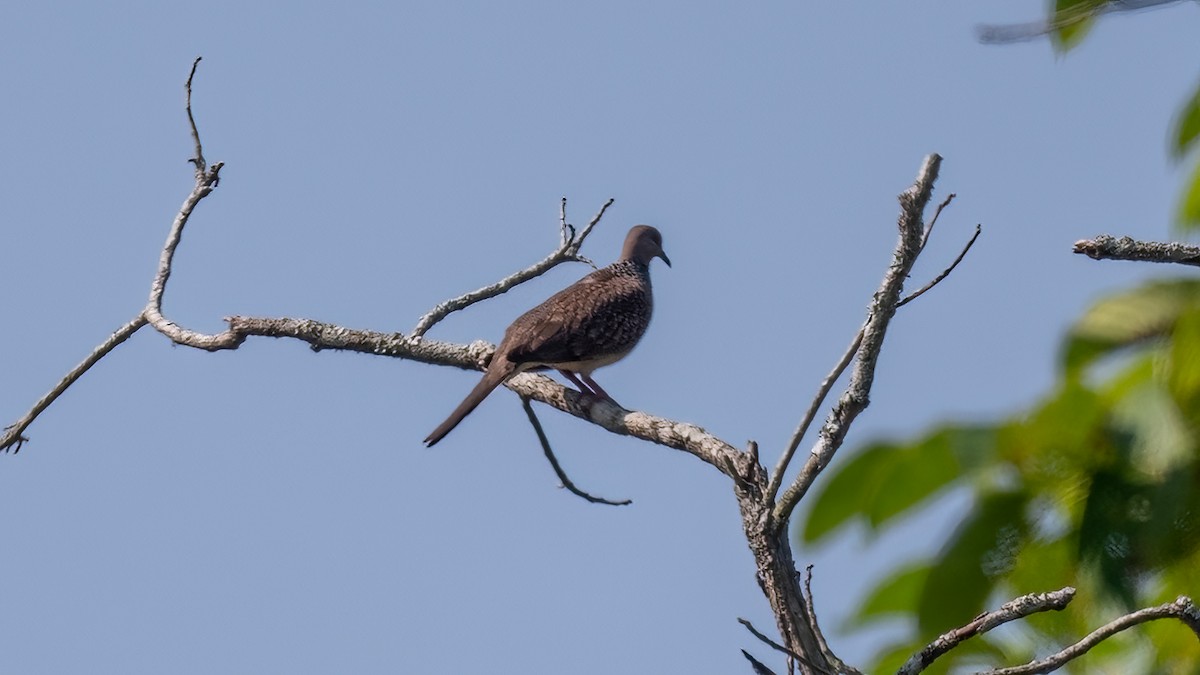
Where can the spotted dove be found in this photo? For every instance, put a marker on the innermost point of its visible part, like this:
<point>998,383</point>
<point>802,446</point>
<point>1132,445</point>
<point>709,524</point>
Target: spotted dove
<point>592,323</point>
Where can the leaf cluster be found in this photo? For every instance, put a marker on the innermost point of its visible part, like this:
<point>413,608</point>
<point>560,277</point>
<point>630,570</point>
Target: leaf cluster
<point>1097,487</point>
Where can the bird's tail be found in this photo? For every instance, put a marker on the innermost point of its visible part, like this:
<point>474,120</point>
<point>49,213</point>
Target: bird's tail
<point>492,379</point>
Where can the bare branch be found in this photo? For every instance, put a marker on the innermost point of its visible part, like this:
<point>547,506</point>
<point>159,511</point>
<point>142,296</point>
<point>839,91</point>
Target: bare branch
<point>811,610</point>
<point>937,213</point>
<point>1009,611</point>
<point>207,179</point>
<point>883,306</point>
<point>568,251</point>
<point>776,646</point>
<point>1182,608</point>
<point>11,438</point>
<point>1021,32</point>
<point>562,475</point>
<point>321,336</point>
<point>945,273</point>
<point>1105,247</point>
<point>813,407</point>
<point>198,160</point>
<point>757,666</point>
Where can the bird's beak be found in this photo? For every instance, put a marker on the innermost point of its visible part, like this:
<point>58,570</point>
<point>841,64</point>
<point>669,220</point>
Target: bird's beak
<point>664,257</point>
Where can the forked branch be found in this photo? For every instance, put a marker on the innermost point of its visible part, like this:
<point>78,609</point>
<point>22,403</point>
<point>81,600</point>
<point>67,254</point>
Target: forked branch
<point>1182,609</point>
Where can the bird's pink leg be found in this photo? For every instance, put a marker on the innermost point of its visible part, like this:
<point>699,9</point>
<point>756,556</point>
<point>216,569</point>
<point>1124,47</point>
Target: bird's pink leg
<point>583,388</point>
<point>599,390</point>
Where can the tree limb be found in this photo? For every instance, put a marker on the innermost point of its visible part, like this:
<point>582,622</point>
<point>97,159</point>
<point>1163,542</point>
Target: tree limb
<point>856,397</point>
<point>12,439</point>
<point>1105,247</point>
<point>1009,611</point>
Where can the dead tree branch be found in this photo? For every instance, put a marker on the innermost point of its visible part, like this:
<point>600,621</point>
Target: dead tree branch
<point>1105,247</point>
<point>856,397</point>
<point>1009,611</point>
<point>764,520</point>
<point>945,273</point>
<point>558,470</point>
<point>568,251</point>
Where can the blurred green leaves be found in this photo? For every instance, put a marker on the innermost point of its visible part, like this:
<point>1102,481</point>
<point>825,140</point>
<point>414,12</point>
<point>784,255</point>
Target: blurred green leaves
<point>1097,486</point>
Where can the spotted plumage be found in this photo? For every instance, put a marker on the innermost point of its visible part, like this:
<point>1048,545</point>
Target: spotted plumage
<point>590,324</point>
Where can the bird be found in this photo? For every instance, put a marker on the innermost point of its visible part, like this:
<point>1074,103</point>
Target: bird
<point>592,323</point>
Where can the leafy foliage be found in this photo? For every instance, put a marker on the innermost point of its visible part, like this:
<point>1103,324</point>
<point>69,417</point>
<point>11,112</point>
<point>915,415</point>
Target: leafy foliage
<point>1097,487</point>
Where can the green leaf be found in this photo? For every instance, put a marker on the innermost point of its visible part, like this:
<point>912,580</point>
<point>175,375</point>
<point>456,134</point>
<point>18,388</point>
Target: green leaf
<point>1104,534</point>
<point>1183,375</point>
<point>1125,319</point>
<point>1187,127</point>
<point>896,594</point>
<point>847,489</point>
<point>1159,438</point>
<point>1189,206</point>
<point>983,548</point>
<point>921,470</point>
<point>1072,19</point>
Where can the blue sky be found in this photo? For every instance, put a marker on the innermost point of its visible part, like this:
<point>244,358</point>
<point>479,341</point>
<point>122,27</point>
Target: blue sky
<point>272,509</point>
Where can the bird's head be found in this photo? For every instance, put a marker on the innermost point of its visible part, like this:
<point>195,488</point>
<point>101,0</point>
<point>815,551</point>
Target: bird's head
<point>643,244</point>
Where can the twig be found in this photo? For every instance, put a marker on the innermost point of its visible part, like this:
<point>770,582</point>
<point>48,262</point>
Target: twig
<point>773,644</point>
<point>568,251</point>
<point>563,239</point>
<point>1105,247</point>
<point>811,414</point>
<point>1010,611</point>
<point>811,610</point>
<point>883,306</point>
<point>757,666</point>
<point>945,273</point>
<point>207,179</point>
<point>1182,608</point>
<point>562,475</point>
<point>1020,32</point>
<point>198,160</point>
<point>12,439</point>
<point>937,213</point>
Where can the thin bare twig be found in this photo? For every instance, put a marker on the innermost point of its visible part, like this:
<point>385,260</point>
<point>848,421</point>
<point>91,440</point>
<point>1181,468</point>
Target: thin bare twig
<point>775,645</point>
<point>883,306</point>
<point>207,179</point>
<point>945,273</point>
<point>558,470</point>
<point>11,438</point>
<point>811,610</point>
<point>1010,611</point>
<point>1105,247</point>
<point>757,666</point>
<point>568,251</point>
<point>198,160</point>
<point>563,239</point>
<point>1020,32</point>
<point>1182,608</point>
<point>937,213</point>
<point>813,407</point>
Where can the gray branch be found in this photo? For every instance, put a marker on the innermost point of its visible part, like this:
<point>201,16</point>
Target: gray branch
<point>565,480</point>
<point>567,251</point>
<point>856,397</point>
<point>1182,609</point>
<point>1009,611</point>
<point>1105,247</point>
